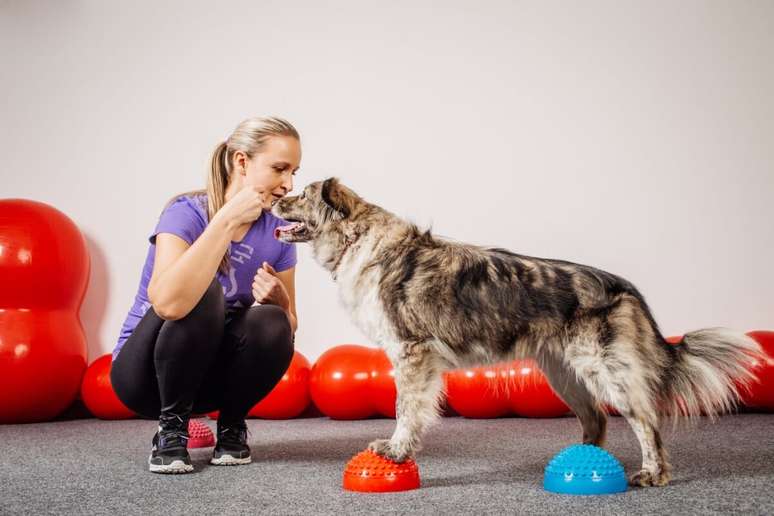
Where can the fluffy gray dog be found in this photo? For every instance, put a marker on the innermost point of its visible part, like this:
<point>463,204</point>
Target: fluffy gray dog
<point>435,304</point>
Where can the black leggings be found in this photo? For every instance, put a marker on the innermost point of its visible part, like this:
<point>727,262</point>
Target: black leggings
<point>203,362</point>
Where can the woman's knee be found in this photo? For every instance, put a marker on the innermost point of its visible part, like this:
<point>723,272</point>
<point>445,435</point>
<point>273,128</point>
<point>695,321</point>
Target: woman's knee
<point>134,389</point>
<point>200,330</point>
<point>211,306</point>
<point>268,329</point>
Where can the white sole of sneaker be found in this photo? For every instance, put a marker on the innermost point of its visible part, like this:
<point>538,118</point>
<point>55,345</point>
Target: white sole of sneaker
<point>177,466</point>
<point>228,460</point>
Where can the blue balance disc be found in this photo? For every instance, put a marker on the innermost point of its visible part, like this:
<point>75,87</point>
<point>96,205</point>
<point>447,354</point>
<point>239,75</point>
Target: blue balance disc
<point>584,469</point>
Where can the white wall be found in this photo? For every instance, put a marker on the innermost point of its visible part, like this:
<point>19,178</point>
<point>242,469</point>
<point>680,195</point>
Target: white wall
<point>637,137</point>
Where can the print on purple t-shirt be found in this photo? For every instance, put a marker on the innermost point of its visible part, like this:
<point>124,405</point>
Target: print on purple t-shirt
<point>187,218</point>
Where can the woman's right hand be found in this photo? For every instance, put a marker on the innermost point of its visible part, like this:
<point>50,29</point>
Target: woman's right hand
<point>245,207</point>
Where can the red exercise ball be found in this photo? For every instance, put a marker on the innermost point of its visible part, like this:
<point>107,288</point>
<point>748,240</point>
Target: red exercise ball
<point>290,396</point>
<point>478,392</point>
<point>383,393</point>
<point>760,394</point>
<point>530,393</point>
<point>340,382</point>
<point>97,392</point>
<point>44,269</point>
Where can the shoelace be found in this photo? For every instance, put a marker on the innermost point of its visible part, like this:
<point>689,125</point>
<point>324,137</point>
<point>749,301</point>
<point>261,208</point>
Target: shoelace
<point>172,439</point>
<point>173,431</point>
<point>233,435</point>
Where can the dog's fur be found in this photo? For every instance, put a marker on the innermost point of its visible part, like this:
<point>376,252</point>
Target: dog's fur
<point>434,304</point>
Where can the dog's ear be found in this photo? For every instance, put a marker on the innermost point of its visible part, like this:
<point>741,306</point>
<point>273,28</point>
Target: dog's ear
<point>338,196</point>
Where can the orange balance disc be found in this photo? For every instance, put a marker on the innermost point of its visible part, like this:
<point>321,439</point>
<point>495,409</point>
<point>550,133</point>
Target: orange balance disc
<point>199,435</point>
<point>371,473</point>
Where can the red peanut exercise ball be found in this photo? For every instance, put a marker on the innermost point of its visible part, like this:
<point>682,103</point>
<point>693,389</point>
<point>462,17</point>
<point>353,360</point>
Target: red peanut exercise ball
<point>530,393</point>
<point>382,391</point>
<point>290,396</point>
<point>760,394</point>
<point>478,392</point>
<point>340,382</point>
<point>44,269</point>
<point>97,392</point>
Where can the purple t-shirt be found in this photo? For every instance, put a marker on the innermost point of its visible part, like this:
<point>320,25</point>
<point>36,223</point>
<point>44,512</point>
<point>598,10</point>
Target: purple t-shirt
<point>187,218</point>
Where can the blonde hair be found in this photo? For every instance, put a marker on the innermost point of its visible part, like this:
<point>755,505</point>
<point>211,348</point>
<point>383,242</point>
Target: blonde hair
<point>249,137</point>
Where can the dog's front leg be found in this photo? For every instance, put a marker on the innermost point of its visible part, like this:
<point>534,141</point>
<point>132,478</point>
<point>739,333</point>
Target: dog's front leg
<point>419,384</point>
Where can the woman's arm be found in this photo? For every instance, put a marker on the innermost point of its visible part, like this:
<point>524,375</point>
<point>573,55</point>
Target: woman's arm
<point>288,278</point>
<point>182,273</point>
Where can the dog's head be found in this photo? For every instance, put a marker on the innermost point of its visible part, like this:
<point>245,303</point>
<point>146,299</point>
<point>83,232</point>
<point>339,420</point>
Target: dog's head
<point>322,207</point>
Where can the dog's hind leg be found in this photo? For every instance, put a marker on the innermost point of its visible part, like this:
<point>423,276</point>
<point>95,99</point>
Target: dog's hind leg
<point>620,378</point>
<point>419,384</point>
<point>616,356</point>
<point>629,393</point>
<point>656,470</point>
<point>622,383</point>
<point>581,401</point>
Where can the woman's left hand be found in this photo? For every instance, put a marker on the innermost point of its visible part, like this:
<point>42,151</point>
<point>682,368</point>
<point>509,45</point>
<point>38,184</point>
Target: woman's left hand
<point>268,289</point>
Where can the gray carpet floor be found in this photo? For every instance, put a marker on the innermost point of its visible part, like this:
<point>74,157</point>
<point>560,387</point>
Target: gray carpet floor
<point>88,466</point>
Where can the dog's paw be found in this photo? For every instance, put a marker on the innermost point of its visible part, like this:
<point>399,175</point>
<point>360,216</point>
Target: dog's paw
<point>384,448</point>
<point>646,478</point>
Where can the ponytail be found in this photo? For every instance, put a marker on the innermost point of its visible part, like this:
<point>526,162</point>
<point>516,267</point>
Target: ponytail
<point>216,189</point>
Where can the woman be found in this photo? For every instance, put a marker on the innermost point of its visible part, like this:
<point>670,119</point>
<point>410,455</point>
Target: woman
<point>193,342</point>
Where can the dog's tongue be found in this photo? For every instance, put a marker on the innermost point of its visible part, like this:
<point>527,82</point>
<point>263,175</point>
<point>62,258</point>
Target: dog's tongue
<point>287,227</point>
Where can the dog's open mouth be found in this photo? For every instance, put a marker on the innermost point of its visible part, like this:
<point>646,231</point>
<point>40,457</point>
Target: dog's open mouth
<point>294,230</point>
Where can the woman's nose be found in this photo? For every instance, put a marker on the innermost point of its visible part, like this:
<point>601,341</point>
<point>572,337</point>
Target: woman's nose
<point>287,183</point>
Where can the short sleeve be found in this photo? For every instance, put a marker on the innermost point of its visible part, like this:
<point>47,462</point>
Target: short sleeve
<point>287,258</point>
<point>181,218</point>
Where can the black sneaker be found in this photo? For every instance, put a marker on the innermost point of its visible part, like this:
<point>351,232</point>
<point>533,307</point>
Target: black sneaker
<point>169,453</point>
<point>232,449</point>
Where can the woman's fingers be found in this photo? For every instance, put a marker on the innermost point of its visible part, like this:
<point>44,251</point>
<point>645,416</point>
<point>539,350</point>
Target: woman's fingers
<point>264,285</point>
<point>266,276</point>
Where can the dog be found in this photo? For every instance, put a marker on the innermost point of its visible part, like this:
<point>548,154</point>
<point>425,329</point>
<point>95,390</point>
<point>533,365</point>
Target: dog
<point>434,304</point>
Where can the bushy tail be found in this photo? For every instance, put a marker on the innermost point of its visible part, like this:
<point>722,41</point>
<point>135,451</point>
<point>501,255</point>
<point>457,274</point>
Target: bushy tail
<point>710,367</point>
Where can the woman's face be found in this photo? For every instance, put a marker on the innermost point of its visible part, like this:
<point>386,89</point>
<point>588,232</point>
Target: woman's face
<point>272,168</point>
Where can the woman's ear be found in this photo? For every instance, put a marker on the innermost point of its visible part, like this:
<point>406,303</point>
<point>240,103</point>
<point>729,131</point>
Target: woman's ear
<point>240,162</point>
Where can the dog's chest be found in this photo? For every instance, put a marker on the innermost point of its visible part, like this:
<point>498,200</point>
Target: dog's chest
<point>359,293</point>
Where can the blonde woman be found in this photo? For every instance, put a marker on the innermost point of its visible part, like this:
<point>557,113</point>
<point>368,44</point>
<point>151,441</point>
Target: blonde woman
<point>194,340</point>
